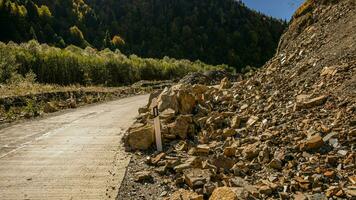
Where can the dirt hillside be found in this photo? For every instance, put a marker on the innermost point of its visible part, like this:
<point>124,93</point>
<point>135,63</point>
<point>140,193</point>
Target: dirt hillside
<point>286,132</point>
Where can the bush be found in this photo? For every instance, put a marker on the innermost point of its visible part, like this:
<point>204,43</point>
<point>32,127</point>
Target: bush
<point>74,65</point>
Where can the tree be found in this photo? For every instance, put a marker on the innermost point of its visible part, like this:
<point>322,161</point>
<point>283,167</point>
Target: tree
<point>117,41</point>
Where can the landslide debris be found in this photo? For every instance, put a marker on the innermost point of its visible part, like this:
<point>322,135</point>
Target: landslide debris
<point>287,132</point>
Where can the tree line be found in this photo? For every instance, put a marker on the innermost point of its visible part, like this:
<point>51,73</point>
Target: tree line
<point>74,65</point>
<point>214,31</point>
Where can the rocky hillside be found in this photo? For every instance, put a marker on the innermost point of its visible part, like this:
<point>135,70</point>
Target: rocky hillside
<point>286,132</point>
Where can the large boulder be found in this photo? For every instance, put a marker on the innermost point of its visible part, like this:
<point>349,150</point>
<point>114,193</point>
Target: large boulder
<point>167,99</point>
<point>182,126</point>
<point>140,137</point>
<point>186,102</point>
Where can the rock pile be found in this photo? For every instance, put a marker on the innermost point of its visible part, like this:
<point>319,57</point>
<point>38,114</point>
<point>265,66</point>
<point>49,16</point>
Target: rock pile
<point>287,132</point>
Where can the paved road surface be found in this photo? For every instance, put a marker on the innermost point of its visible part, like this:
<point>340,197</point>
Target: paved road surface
<point>73,155</point>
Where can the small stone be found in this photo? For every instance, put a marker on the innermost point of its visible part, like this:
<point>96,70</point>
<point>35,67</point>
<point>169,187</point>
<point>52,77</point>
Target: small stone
<point>144,176</point>
<point>251,121</point>
<point>157,158</point>
<point>314,142</point>
<point>202,149</point>
<point>265,190</point>
<point>275,164</point>
<point>353,179</point>
<point>230,151</point>
<point>235,122</point>
<point>331,160</point>
<point>329,174</point>
<point>196,178</point>
<point>229,132</point>
<point>225,83</point>
<point>342,152</point>
<point>250,151</point>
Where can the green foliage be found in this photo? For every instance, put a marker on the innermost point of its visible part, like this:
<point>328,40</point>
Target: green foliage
<point>117,41</point>
<point>43,11</point>
<point>88,66</point>
<point>214,31</point>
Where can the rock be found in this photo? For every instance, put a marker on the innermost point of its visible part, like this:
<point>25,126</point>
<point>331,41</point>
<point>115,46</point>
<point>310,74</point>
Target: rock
<point>153,95</point>
<point>223,162</point>
<point>144,176</point>
<point>317,196</point>
<point>228,193</point>
<point>300,196</point>
<point>275,164</point>
<point>157,158</point>
<point>141,137</point>
<point>351,191</point>
<point>265,190</point>
<point>235,122</point>
<point>182,194</point>
<point>186,102</point>
<point>230,151</point>
<point>305,103</point>
<point>229,132</point>
<point>50,107</point>
<point>142,110</point>
<point>196,178</point>
<point>251,121</point>
<point>181,126</point>
<point>192,162</point>
<point>313,143</point>
<point>167,99</point>
<point>202,149</point>
<point>225,84</point>
<point>251,151</point>
<point>167,115</point>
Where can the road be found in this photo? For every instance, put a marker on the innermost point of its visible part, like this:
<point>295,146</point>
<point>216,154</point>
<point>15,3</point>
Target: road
<point>74,154</point>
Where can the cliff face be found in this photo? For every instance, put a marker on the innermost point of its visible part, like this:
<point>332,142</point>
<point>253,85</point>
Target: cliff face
<point>321,36</point>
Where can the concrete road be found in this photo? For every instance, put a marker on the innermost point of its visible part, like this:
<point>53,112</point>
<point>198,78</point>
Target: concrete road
<point>75,154</point>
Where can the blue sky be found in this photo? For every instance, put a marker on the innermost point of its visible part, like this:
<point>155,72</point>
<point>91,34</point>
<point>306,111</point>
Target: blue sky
<point>282,9</point>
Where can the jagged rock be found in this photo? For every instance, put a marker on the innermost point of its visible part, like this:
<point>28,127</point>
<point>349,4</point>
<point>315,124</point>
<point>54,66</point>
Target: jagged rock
<point>229,132</point>
<point>141,137</point>
<point>186,101</point>
<point>251,151</point>
<point>192,162</point>
<point>167,99</point>
<point>228,193</point>
<point>225,84</point>
<point>182,194</point>
<point>196,178</point>
<point>304,103</point>
<point>314,142</point>
<point>275,164</point>
<point>182,126</point>
<point>235,122</point>
<point>144,176</point>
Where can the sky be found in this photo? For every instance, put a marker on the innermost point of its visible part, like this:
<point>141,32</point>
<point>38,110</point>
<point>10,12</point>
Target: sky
<point>282,9</point>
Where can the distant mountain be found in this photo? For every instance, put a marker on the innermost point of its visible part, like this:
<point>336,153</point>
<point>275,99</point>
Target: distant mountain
<point>214,31</point>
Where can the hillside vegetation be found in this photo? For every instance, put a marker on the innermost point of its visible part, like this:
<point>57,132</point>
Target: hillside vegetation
<point>88,66</point>
<point>213,31</point>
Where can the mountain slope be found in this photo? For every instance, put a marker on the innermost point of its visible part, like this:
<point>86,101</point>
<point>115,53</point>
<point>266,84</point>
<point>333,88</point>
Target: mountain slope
<point>213,31</point>
<point>287,131</point>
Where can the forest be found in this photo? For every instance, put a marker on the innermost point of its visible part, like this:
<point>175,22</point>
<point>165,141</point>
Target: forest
<point>73,65</point>
<point>213,31</point>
